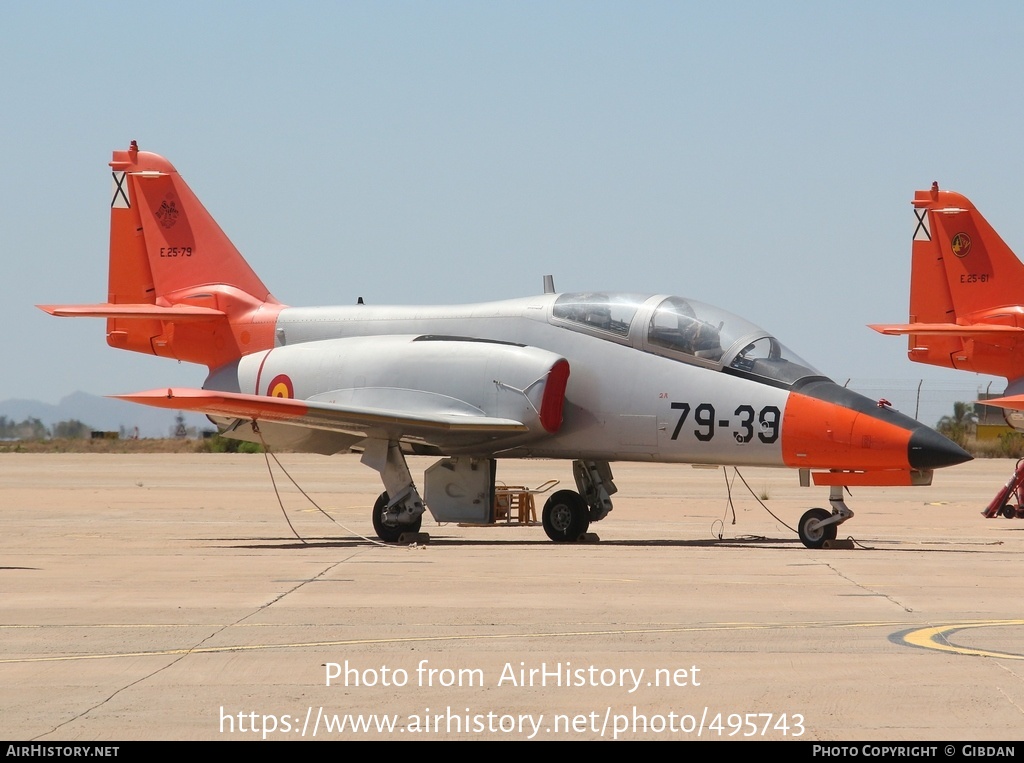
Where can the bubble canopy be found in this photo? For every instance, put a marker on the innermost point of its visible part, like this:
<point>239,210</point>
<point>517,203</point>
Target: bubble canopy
<point>684,329</point>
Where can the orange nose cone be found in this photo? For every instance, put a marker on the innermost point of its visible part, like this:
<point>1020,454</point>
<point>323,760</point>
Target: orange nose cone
<point>829,427</point>
<point>825,435</point>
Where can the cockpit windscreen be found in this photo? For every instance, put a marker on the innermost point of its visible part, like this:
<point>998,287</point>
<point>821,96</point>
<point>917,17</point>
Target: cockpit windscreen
<point>714,335</point>
<point>685,328</point>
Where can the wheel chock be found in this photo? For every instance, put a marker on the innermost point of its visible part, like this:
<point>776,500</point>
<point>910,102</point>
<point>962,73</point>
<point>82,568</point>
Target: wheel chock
<point>414,539</point>
<point>840,543</point>
<point>589,538</point>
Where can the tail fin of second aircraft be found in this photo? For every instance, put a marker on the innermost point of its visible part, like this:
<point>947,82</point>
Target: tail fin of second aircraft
<point>178,287</point>
<point>966,289</point>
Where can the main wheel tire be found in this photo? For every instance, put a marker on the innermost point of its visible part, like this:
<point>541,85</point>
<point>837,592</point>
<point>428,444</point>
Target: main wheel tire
<point>386,531</point>
<point>566,516</point>
<point>815,537</point>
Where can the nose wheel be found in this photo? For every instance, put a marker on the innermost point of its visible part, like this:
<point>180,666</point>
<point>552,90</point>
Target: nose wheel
<point>818,526</point>
<point>813,533</point>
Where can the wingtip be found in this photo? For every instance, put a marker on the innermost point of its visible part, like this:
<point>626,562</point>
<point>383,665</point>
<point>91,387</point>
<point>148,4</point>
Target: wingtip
<point>1010,402</point>
<point>163,393</point>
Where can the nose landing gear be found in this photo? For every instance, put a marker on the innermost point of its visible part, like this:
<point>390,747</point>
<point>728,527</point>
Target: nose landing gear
<point>818,526</point>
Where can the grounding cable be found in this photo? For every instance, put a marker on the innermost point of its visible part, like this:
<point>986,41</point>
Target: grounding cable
<point>728,506</point>
<point>267,455</point>
<point>763,506</point>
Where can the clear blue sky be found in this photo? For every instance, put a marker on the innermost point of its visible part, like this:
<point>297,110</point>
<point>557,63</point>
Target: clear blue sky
<point>757,156</point>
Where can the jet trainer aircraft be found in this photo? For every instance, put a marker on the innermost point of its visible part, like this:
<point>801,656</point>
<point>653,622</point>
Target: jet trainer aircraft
<point>966,294</point>
<point>593,377</point>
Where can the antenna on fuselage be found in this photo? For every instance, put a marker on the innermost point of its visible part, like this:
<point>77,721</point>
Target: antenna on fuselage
<point>549,284</point>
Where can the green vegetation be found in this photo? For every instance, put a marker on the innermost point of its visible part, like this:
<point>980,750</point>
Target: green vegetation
<point>72,429</point>
<point>218,444</point>
<point>34,429</point>
<point>961,426</point>
<point>74,436</point>
<point>1009,445</point>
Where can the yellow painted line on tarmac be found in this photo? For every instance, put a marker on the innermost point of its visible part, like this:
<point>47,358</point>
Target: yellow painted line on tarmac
<point>936,638</point>
<point>427,639</point>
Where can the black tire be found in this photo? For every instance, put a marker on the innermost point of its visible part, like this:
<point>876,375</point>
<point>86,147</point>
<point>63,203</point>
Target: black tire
<point>566,516</point>
<point>816,538</point>
<point>1008,511</point>
<point>390,533</point>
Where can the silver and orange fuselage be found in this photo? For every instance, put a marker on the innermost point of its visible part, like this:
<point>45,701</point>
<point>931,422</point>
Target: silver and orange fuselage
<point>614,391</point>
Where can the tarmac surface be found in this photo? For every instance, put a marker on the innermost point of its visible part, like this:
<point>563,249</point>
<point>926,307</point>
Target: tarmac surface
<point>165,597</point>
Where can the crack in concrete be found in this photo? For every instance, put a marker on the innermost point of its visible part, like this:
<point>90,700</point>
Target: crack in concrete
<point>197,645</point>
<point>1003,692</point>
<point>892,599</point>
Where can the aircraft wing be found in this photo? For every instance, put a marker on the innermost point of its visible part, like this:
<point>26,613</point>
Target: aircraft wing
<point>422,416</point>
<point>946,329</point>
<point>1011,402</point>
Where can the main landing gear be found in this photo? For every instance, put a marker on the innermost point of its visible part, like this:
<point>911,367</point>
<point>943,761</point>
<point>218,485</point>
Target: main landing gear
<point>386,525</point>
<point>462,489</point>
<point>567,514</point>
<point>404,513</point>
<point>818,526</point>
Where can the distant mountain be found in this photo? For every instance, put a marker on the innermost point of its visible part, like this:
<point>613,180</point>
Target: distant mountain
<point>102,413</point>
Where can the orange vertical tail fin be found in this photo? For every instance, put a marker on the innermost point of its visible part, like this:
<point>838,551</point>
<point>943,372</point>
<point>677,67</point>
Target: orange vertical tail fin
<point>178,287</point>
<point>966,290</point>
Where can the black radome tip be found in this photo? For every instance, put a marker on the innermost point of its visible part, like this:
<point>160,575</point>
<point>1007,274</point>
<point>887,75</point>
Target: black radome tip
<point>930,450</point>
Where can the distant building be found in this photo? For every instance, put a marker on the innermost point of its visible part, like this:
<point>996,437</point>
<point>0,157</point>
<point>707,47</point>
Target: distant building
<point>993,421</point>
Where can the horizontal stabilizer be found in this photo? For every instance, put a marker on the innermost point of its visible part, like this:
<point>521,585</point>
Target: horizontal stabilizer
<point>944,329</point>
<point>176,313</point>
<point>328,416</point>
